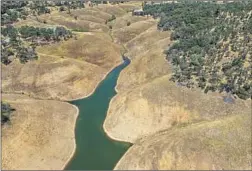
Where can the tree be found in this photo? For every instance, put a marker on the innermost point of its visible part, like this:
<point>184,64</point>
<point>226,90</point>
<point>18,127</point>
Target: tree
<point>113,17</point>
<point>26,54</point>
<point>62,9</point>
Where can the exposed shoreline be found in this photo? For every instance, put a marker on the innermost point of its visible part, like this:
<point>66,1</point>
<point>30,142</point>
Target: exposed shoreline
<point>72,154</point>
<point>105,129</point>
<point>103,125</point>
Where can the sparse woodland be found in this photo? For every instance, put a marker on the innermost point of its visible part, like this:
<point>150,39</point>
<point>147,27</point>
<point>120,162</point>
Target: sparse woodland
<point>15,40</point>
<point>212,44</point>
<point>21,42</point>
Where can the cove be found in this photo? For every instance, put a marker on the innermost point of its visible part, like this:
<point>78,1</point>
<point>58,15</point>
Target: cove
<point>94,149</point>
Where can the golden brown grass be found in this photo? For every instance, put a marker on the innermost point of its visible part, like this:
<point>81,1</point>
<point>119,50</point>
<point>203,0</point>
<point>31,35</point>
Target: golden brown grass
<point>129,6</point>
<point>40,134</point>
<point>32,22</point>
<point>96,12</point>
<point>224,144</point>
<point>112,9</point>
<point>65,70</point>
<point>125,34</point>
<point>68,21</point>
<point>94,48</point>
<point>123,20</point>
<point>63,79</point>
<point>146,52</point>
<point>160,104</point>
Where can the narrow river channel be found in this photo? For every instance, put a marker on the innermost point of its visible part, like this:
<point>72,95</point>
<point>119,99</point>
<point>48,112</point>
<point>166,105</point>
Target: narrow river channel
<point>94,149</point>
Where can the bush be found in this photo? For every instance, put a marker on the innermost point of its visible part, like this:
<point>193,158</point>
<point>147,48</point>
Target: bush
<point>113,17</point>
<point>6,110</point>
<point>62,9</point>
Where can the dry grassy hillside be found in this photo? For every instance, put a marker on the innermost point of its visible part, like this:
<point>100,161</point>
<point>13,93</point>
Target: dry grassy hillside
<point>125,34</point>
<point>219,145</point>
<point>94,48</point>
<point>51,78</point>
<point>146,53</point>
<point>32,22</point>
<point>94,12</point>
<point>160,104</point>
<point>40,134</point>
<point>66,70</point>
<point>117,24</point>
<point>131,5</point>
<point>147,103</point>
<point>112,9</point>
<point>85,24</point>
<point>148,41</point>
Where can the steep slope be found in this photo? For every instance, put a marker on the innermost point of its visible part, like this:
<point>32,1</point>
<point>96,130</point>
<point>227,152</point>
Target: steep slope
<point>159,105</point>
<point>40,134</point>
<point>219,145</point>
<point>125,34</point>
<point>66,70</point>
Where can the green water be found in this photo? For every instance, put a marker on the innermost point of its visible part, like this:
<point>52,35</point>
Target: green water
<point>94,150</point>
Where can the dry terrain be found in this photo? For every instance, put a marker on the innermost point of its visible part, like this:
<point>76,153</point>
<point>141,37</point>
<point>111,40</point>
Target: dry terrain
<point>171,127</point>
<point>223,144</point>
<point>65,70</point>
<point>40,134</point>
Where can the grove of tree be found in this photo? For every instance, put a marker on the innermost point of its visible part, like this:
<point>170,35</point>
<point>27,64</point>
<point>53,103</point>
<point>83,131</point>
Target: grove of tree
<point>212,44</point>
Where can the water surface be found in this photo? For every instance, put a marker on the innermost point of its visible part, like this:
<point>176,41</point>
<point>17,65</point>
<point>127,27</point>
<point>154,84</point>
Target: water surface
<point>94,150</point>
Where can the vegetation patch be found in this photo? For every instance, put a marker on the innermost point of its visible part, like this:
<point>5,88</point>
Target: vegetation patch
<point>13,11</point>
<point>21,42</point>
<point>6,111</point>
<point>212,44</point>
